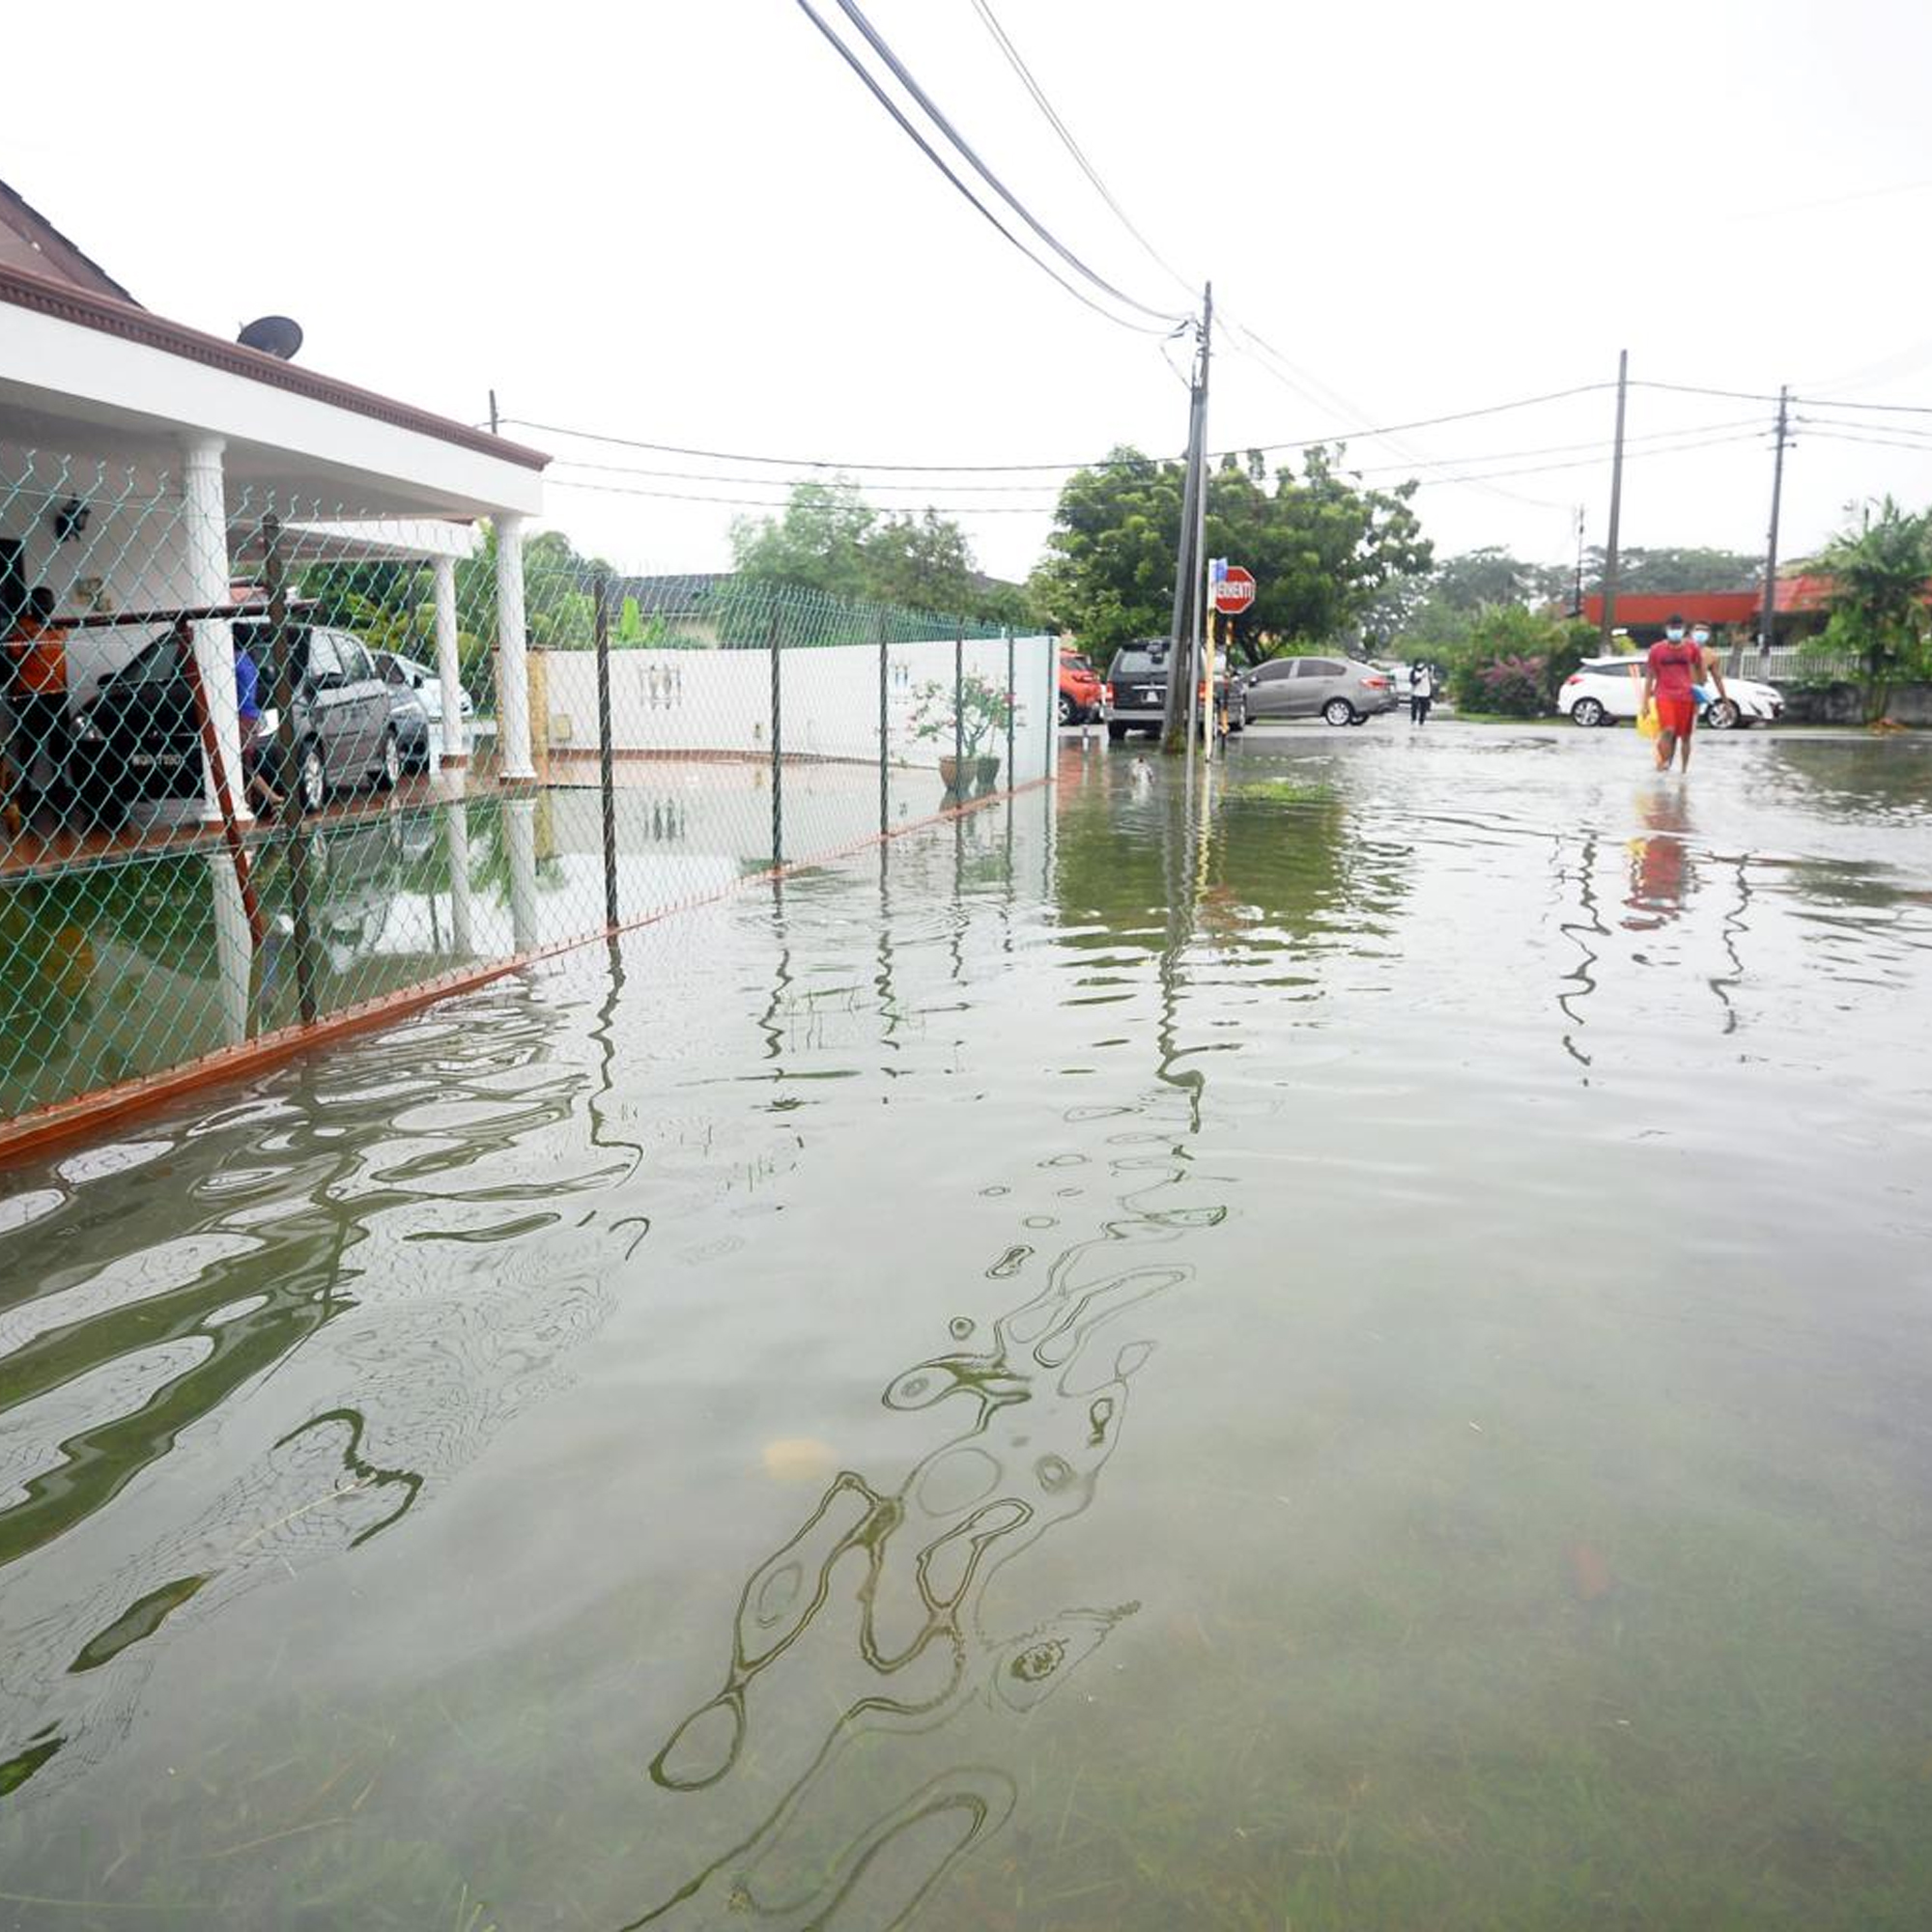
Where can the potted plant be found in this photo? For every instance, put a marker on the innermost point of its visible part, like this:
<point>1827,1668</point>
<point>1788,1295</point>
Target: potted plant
<point>982,713</point>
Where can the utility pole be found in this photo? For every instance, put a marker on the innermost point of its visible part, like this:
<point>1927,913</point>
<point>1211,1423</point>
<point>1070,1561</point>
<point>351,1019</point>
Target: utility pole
<point>1604,643</point>
<point>1577,596</point>
<point>1175,714</point>
<point>1768,616</point>
<point>494,430</point>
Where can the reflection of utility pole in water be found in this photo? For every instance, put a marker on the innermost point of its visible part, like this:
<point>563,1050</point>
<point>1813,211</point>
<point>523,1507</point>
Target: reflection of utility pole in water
<point>1582,931</point>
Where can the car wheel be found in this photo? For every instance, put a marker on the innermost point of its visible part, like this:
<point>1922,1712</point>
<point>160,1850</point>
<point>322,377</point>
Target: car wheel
<point>1723,715</point>
<point>1587,711</point>
<point>1339,711</point>
<point>1115,734</point>
<point>1066,716</point>
<point>312,778</point>
<point>390,768</point>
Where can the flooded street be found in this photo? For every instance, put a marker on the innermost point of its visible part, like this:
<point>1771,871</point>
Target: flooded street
<point>1354,1355</point>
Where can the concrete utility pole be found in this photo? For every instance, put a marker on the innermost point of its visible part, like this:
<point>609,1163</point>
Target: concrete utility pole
<point>1188,562</point>
<point>1609,625</point>
<point>1768,615</point>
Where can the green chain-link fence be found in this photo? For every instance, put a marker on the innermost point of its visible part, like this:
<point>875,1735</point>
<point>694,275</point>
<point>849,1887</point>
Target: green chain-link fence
<point>269,773</point>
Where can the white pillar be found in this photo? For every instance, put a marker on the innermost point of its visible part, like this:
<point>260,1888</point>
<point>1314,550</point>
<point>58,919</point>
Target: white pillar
<point>462,896</point>
<point>455,739</point>
<point>513,685</point>
<point>205,550</point>
<point>519,843</point>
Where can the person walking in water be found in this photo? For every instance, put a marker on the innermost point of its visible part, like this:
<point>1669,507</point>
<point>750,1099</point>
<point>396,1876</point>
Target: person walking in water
<point>1421,692</point>
<point>1670,675</point>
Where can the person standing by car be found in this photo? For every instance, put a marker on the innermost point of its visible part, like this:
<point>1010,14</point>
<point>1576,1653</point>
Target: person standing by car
<point>254,741</point>
<point>37,689</point>
<point>1670,675</point>
<point>1421,692</point>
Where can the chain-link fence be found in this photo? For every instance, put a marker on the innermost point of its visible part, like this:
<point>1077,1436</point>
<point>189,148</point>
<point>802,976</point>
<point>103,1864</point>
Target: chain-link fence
<point>271,763</point>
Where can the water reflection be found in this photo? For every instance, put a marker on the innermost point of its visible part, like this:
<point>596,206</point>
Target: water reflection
<point>1662,871</point>
<point>138,1320</point>
<point>877,1601</point>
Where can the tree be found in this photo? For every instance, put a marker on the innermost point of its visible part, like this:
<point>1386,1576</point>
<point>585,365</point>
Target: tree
<point>1493,576</point>
<point>1659,572</point>
<point>1323,549</point>
<point>817,543</point>
<point>830,540</point>
<point>1880,574</point>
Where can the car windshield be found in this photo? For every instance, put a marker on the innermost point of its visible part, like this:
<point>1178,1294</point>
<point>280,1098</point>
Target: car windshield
<point>1073,661</point>
<point>1140,663</point>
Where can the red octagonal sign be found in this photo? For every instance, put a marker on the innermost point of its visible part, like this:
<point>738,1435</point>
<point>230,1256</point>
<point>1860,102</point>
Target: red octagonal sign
<point>1234,590</point>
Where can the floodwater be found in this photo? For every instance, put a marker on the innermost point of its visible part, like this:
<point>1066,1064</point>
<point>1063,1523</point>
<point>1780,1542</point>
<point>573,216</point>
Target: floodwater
<point>1356,1357</point>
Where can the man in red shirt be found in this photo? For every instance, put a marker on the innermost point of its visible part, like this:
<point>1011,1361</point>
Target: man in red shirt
<point>1670,675</point>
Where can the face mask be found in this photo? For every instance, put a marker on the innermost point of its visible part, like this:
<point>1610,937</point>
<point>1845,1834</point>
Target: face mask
<point>1675,635</point>
<point>1701,637</point>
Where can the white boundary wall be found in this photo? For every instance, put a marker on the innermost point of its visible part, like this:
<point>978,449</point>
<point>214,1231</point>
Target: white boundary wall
<point>718,701</point>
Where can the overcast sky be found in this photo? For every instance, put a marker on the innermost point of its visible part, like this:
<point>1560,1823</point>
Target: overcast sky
<point>689,224</point>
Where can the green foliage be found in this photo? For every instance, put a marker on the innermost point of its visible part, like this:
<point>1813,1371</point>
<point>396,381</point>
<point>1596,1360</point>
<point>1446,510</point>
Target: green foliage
<point>1511,660</point>
<point>982,713</point>
<point>830,540</point>
<point>1480,578</point>
<point>1284,792</point>
<point>1324,549</point>
<point>1880,574</point>
<point>1658,571</point>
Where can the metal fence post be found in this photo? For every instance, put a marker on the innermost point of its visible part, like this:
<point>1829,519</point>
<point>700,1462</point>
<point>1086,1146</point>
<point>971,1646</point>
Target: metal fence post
<point>885,773</point>
<point>282,649</point>
<point>959,712</point>
<point>607,776</point>
<point>1012,706</point>
<point>778,745</point>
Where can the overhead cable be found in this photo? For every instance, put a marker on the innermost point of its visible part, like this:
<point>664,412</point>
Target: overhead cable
<point>1016,469</point>
<point>932,155</point>
<point>904,77</point>
<point>1004,42</point>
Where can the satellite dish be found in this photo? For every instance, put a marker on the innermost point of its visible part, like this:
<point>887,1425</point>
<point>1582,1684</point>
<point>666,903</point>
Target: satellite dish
<point>277,335</point>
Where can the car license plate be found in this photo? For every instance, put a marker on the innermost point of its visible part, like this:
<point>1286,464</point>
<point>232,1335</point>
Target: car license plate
<point>157,757</point>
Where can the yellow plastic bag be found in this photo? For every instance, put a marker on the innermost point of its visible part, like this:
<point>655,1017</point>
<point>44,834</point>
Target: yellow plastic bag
<point>1648,724</point>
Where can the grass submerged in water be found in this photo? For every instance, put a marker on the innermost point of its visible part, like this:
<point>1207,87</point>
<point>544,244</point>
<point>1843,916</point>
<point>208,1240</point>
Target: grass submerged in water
<point>1284,792</point>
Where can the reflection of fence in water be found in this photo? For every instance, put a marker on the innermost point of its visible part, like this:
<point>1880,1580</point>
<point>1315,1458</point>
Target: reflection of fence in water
<point>483,1132</point>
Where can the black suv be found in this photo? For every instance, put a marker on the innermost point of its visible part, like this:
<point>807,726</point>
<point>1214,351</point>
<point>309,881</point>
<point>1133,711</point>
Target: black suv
<point>1137,675</point>
<point>137,737</point>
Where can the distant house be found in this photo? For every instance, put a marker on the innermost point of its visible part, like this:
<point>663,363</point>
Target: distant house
<point>141,459</point>
<point>1799,610</point>
<point>681,605</point>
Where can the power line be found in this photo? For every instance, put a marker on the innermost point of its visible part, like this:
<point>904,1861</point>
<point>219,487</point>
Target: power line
<point>1693,389</point>
<point>1868,428</point>
<point>903,76</point>
<point>1896,409</point>
<point>773,482</point>
<point>779,502</point>
<point>1003,40</point>
<point>1051,491</point>
<point>1016,468</point>
<point>1047,510</point>
<point>1592,461</point>
<point>932,155</point>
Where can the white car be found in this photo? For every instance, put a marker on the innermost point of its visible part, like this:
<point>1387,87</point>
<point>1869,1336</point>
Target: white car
<point>1605,691</point>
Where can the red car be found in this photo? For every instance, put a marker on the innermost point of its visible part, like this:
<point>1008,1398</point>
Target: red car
<point>1082,694</point>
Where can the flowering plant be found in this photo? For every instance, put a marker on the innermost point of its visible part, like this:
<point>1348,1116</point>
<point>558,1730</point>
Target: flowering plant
<point>983,711</point>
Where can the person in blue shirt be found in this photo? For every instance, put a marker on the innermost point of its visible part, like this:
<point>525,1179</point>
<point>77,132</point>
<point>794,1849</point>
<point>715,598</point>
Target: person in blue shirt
<point>254,740</point>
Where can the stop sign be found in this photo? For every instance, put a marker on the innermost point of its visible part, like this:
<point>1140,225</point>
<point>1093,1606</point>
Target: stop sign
<point>1234,590</point>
